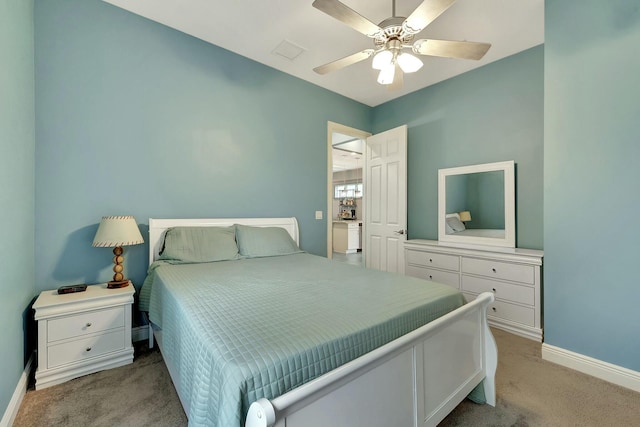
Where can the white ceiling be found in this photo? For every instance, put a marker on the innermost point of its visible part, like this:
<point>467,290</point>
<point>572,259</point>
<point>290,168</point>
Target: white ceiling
<point>255,28</point>
<point>347,152</point>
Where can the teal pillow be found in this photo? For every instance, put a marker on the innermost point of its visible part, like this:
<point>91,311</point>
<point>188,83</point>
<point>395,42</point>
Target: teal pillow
<point>256,242</point>
<point>200,244</point>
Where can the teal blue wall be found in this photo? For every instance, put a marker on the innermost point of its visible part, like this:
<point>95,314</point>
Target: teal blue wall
<point>491,114</point>
<point>17,145</point>
<point>592,178</point>
<point>136,118</point>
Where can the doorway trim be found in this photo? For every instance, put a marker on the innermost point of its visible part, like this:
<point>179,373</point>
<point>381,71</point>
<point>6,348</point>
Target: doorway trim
<point>332,128</point>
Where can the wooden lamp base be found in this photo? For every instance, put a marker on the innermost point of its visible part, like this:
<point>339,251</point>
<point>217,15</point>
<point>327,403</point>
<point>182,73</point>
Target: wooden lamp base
<point>118,278</point>
<point>120,284</point>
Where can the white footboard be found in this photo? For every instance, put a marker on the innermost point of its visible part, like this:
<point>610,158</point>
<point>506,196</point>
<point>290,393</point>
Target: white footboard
<point>415,380</point>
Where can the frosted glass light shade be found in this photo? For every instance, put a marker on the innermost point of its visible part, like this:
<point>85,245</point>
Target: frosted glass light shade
<point>409,63</point>
<point>382,59</point>
<point>387,74</point>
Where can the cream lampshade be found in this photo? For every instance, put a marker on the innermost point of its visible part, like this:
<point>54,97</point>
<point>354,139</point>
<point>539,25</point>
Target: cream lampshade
<point>465,216</point>
<point>116,232</point>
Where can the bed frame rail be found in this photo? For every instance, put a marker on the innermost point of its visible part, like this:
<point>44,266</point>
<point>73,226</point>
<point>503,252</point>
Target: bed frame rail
<point>415,380</point>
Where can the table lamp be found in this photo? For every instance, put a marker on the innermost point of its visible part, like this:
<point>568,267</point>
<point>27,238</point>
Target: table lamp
<point>116,232</point>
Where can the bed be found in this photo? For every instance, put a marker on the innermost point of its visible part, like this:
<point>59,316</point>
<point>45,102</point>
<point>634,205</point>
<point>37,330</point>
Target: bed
<point>289,338</point>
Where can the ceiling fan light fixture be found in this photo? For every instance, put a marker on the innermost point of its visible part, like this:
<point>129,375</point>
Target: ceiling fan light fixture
<point>387,74</point>
<point>382,59</point>
<point>409,63</point>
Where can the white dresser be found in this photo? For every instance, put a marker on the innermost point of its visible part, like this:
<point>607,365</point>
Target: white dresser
<point>82,333</point>
<point>512,275</point>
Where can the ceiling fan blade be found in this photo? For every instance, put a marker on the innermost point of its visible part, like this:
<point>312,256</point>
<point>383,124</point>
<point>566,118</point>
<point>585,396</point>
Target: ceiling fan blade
<point>344,62</point>
<point>425,14</point>
<point>343,13</point>
<point>451,49</point>
<point>398,79</point>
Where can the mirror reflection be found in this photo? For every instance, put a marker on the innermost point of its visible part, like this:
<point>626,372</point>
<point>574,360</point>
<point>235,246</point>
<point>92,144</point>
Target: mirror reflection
<point>477,201</point>
<point>476,204</point>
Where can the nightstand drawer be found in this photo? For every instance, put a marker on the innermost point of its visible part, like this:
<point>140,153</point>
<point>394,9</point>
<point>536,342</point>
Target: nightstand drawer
<point>499,270</point>
<point>505,291</point>
<point>439,276</point>
<point>85,348</point>
<point>85,323</point>
<point>430,259</point>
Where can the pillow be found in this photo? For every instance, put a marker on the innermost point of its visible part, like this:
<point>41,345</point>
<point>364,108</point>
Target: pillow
<point>455,223</point>
<point>448,229</point>
<point>256,242</point>
<point>200,244</point>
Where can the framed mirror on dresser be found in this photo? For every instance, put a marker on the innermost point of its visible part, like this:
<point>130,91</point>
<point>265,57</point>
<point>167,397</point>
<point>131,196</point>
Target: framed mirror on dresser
<point>476,205</point>
<point>476,247</point>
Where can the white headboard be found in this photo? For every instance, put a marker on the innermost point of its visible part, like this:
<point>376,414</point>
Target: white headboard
<point>158,227</point>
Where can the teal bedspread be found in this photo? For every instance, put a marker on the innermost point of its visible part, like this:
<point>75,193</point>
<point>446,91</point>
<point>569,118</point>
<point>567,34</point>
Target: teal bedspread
<point>237,331</point>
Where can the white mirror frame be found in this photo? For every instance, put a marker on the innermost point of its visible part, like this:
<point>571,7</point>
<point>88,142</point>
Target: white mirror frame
<point>509,240</point>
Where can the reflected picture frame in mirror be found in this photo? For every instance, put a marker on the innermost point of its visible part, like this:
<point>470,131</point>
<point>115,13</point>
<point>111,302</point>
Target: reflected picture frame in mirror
<point>476,205</point>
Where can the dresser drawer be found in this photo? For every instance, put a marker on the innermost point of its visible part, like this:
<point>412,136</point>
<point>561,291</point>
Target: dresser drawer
<point>438,276</point>
<point>85,348</point>
<point>499,270</point>
<point>430,259</point>
<point>511,312</point>
<point>85,323</point>
<point>505,291</point>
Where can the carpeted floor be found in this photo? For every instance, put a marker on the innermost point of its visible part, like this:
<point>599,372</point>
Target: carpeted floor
<point>531,392</point>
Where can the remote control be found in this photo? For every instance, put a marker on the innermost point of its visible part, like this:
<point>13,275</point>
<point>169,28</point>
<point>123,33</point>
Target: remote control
<point>71,289</point>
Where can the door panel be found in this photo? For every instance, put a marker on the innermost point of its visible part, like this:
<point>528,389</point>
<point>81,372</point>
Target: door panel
<point>373,253</point>
<point>393,191</point>
<point>386,200</point>
<point>375,211</point>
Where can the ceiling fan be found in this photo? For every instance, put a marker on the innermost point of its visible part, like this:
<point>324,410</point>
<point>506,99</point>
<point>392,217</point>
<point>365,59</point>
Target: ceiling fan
<point>393,40</point>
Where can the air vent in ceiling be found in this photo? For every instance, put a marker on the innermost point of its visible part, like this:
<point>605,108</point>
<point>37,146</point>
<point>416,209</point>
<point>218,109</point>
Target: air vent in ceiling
<point>288,50</point>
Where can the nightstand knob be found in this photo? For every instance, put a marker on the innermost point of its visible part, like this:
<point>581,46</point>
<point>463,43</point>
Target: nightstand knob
<point>88,324</point>
<point>493,289</point>
<point>494,309</point>
<point>430,277</point>
<point>430,260</point>
<point>493,269</point>
<point>88,349</point>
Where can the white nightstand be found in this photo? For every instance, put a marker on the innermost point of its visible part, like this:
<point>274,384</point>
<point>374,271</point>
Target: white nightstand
<point>82,333</point>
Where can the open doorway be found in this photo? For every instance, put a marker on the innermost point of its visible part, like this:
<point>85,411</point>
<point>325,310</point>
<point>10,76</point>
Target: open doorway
<point>345,193</point>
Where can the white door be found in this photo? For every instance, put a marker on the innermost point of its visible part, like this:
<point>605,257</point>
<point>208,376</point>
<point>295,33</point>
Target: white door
<point>385,226</point>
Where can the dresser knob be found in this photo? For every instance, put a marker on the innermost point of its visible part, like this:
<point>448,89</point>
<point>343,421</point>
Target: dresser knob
<point>494,309</point>
<point>88,349</point>
<point>88,324</point>
<point>430,277</point>
<point>493,269</point>
<point>493,289</point>
<point>430,260</point>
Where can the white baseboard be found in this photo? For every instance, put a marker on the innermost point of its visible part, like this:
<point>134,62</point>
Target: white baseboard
<point>597,368</point>
<point>21,389</point>
<point>139,333</point>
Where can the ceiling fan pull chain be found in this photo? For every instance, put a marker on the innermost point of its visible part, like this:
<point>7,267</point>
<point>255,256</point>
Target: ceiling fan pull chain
<point>393,8</point>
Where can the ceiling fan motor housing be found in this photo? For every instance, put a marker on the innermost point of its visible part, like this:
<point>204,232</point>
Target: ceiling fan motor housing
<point>392,30</point>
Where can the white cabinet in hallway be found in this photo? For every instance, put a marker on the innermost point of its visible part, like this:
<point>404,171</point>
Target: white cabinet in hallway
<point>346,236</point>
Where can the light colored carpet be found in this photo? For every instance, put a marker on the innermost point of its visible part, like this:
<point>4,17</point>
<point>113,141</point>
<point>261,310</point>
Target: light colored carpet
<point>139,394</point>
<point>531,392</point>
